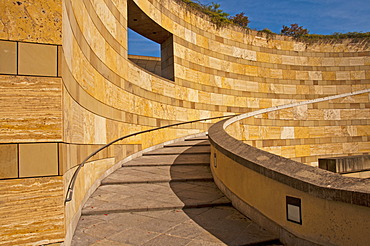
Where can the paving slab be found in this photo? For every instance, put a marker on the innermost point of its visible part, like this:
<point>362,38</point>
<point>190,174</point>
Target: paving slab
<point>163,160</point>
<point>190,143</point>
<point>165,198</point>
<point>204,226</point>
<point>152,174</point>
<point>197,138</point>
<point>180,150</point>
<point>153,196</point>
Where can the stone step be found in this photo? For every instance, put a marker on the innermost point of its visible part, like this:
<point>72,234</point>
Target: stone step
<point>156,174</point>
<point>180,150</point>
<point>222,225</point>
<point>166,197</point>
<point>157,181</point>
<point>153,196</point>
<point>189,143</point>
<point>166,160</point>
<point>271,242</point>
<point>197,138</point>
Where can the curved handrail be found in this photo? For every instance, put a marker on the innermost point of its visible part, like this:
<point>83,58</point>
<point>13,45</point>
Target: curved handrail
<point>69,194</point>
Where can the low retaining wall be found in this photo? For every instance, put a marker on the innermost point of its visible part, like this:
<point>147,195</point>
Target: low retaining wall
<point>304,205</point>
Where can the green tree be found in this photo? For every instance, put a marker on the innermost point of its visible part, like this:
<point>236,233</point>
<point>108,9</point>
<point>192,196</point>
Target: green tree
<point>240,19</point>
<point>218,16</point>
<point>294,31</point>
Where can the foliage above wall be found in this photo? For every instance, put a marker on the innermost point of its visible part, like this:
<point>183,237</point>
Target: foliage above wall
<point>240,19</point>
<point>217,15</point>
<point>221,19</point>
<point>302,34</point>
<point>338,35</point>
<point>294,31</point>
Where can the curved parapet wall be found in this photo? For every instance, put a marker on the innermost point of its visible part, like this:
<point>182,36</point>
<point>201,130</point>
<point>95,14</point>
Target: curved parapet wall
<point>329,128</point>
<point>302,204</point>
<point>64,96</point>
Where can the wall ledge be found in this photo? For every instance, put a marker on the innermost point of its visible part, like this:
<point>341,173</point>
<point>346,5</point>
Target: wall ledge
<point>255,215</point>
<point>314,181</point>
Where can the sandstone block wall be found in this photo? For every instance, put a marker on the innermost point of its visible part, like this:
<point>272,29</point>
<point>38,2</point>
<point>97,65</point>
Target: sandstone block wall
<point>31,128</point>
<point>67,84</point>
<point>337,127</point>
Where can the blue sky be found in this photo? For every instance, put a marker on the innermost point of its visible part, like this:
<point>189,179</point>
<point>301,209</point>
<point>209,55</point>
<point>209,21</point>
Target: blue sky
<point>139,45</point>
<point>318,16</point>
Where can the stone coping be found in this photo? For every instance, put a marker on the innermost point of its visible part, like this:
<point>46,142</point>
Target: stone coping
<point>312,180</point>
<point>146,58</point>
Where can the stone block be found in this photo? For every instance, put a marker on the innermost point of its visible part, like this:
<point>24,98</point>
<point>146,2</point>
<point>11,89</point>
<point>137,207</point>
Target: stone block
<point>8,161</point>
<point>8,57</point>
<point>263,57</point>
<point>343,75</point>
<point>38,159</point>
<point>32,211</point>
<point>328,61</point>
<point>37,59</point>
<point>30,109</point>
<point>287,133</point>
<point>288,60</point>
<point>328,75</point>
<point>332,114</point>
<point>357,61</point>
<point>32,21</point>
<point>301,132</point>
<point>357,75</point>
<point>289,74</point>
<point>315,75</point>
<point>302,150</point>
<point>302,75</point>
<point>288,151</point>
<point>272,133</point>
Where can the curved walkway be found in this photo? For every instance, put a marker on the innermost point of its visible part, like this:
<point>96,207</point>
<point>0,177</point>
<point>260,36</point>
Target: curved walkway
<point>166,197</point>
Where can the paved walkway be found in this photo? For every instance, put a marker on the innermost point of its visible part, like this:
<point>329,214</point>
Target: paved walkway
<point>166,197</point>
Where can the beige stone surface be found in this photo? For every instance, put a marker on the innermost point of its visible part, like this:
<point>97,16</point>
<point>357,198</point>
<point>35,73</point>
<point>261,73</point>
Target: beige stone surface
<point>33,211</point>
<point>8,161</point>
<point>91,172</point>
<point>31,20</point>
<point>103,96</point>
<point>324,221</point>
<point>30,109</point>
<point>37,59</point>
<point>8,57</point>
<point>337,127</point>
<point>38,159</point>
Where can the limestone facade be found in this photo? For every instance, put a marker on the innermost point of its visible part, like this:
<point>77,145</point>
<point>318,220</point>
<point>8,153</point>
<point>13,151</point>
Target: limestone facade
<point>338,127</point>
<point>67,87</point>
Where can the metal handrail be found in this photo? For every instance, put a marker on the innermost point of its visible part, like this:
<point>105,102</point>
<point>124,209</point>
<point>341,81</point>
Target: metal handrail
<point>71,185</point>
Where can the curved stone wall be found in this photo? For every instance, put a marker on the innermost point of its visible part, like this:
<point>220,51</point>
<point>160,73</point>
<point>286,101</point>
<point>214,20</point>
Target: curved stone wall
<point>337,127</point>
<point>96,94</point>
<point>304,205</point>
